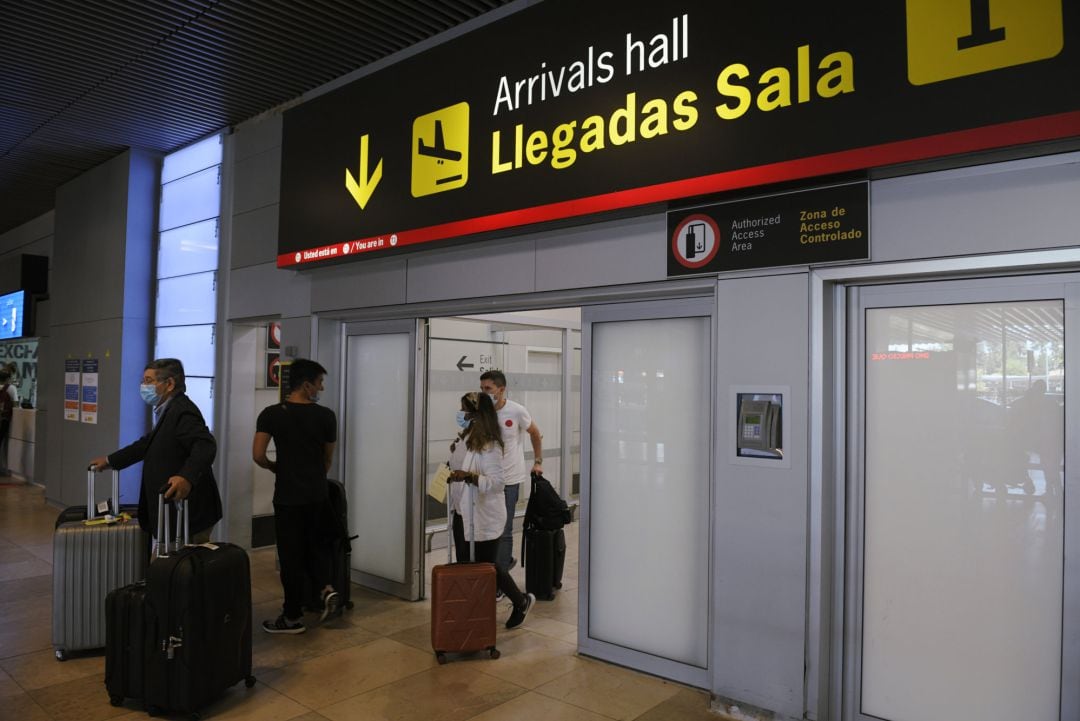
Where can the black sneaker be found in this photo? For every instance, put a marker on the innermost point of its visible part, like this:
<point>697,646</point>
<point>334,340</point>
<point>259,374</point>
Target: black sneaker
<point>518,616</point>
<point>331,605</point>
<point>282,625</point>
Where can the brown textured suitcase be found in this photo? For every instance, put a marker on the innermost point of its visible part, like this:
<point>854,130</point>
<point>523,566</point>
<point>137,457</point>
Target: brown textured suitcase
<point>462,604</point>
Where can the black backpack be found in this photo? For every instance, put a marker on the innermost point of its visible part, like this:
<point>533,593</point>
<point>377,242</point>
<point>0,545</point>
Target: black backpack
<point>546,509</point>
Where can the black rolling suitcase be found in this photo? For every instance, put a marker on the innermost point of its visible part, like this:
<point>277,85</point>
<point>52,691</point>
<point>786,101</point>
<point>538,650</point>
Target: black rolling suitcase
<point>544,556</point>
<point>340,550</point>
<point>129,634</point>
<point>196,621</point>
<point>543,549</point>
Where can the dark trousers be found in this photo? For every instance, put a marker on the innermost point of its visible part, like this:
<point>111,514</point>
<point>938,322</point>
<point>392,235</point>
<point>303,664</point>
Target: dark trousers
<point>486,552</point>
<point>5,431</point>
<point>303,552</point>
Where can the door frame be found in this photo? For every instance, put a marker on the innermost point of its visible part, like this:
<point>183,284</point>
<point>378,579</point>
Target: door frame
<point>703,307</point>
<point>412,589</point>
<point>825,650</point>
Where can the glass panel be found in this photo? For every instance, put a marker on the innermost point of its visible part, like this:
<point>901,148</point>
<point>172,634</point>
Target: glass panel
<point>190,249</point>
<point>195,157</point>
<point>192,344</point>
<point>201,391</point>
<point>650,469</point>
<point>377,450</point>
<point>453,342</point>
<point>962,594</point>
<point>187,300</point>
<point>190,199</point>
<point>574,399</point>
<point>533,368</point>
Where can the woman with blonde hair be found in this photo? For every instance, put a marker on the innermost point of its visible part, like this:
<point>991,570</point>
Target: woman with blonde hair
<point>476,459</point>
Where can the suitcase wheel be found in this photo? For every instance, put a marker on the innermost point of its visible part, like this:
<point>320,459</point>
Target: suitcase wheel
<point>153,711</point>
<point>194,716</point>
<point>249,681</point>
<point>61,655</point>
<point>116,700</point>
<point>349,605</point>
<point>440,657</point>
<point>494,652</point>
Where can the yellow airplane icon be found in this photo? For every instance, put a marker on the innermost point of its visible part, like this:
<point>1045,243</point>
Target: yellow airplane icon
<point>440,150</point>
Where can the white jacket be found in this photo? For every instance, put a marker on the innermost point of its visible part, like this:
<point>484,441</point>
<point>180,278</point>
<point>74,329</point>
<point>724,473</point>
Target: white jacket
<point>490,512</point>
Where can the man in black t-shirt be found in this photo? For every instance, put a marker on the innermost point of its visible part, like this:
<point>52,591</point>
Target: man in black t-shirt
<point>304,434</point>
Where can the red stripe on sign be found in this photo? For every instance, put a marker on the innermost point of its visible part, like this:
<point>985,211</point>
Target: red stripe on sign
<point>1020,132</point>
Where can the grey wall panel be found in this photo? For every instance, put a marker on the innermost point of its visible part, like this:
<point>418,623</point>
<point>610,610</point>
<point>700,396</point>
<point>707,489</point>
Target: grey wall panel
<point>759,601</point>
<point>136,337</point>
<point>75,443</point>
<point>359,285</point>
<point>258,135</point>
<point>241,429</point>
<point>1017,205</point>
<point>488,268</point>
<point>631,250</point>
<point>91,224</point>
<point>101,306</point>
<point>260,291</point>
<point>296,332</point>
<point>257,181</point>
<point>31,237</point>
<point>255,237</point>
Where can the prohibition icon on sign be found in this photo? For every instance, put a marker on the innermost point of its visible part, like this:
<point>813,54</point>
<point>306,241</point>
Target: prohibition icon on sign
<point>695,241</point>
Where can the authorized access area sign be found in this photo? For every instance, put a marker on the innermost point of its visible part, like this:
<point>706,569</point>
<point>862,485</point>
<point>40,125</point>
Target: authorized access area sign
<point>566,109</point>
<point>809,227</point>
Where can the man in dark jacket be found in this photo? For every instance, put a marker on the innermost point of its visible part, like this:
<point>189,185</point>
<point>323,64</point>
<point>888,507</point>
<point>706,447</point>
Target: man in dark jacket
<point>177,452</point>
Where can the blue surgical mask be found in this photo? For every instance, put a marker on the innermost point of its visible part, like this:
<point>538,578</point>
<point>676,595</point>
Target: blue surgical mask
<point>148,391</point>
<point>462,420</point>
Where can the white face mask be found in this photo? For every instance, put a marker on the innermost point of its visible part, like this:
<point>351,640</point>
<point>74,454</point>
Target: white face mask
<point>494,398</point>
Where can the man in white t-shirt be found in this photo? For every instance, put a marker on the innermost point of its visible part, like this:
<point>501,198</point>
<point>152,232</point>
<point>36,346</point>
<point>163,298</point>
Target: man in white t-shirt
<point>514,420</point>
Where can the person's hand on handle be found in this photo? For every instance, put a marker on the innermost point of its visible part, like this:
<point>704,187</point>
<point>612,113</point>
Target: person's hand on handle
<point>463,476</point>
<point>99,464</point>
<point>178,488</point>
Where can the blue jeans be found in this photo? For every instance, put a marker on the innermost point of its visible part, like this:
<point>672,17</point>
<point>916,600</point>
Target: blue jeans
<point>506,541</point>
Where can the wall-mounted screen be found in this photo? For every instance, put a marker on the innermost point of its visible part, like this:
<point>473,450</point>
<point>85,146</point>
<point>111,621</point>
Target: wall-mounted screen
<point>12,310</point>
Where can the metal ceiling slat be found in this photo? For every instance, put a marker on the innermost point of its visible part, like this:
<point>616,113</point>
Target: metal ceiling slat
<point>82,81</point>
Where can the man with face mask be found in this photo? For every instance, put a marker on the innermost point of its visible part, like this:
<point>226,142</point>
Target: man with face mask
<point>514,420</point>
<point>177,452</point>
<point>304,434</point>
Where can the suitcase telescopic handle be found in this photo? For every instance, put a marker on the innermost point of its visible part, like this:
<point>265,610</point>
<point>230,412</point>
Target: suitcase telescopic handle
<point>91,492</point>
<point>472,525</point>
<point>161,544</point>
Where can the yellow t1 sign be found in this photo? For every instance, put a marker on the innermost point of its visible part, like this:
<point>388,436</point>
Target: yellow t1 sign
<point>952,38</point>
<point>440,150</point>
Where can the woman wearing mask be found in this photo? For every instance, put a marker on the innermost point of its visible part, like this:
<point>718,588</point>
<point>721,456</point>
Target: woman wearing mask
<point>476,459</point>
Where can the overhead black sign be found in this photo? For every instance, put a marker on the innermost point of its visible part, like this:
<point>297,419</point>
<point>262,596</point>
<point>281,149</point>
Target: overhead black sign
<point>567,108</point>
<point>808,227</point>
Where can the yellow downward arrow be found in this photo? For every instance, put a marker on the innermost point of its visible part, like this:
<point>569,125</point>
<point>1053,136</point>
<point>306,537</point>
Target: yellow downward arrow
<point>361,190</point>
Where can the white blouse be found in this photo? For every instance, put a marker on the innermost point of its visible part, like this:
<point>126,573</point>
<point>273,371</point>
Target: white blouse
<point>490,510</point>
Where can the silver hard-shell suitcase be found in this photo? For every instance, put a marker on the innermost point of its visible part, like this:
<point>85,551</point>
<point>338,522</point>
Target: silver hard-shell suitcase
<point>91,558</point>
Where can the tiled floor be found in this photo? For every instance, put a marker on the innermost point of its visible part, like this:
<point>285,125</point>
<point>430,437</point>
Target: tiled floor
<point>373,663</point>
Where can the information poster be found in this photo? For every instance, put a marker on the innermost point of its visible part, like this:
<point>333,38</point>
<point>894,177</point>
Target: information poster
<point>89,390</point>
<point>71,390</point>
